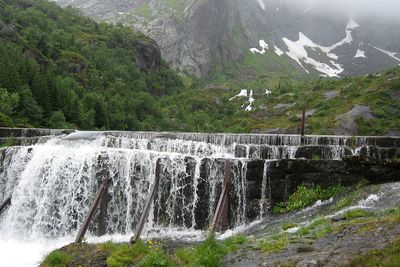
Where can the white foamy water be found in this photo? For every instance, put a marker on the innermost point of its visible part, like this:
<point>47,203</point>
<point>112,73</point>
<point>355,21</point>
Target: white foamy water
<point>54,183</point>
<point>27,253</point>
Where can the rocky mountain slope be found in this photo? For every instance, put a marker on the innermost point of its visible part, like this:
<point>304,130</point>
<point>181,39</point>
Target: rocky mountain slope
<point>203,37</point>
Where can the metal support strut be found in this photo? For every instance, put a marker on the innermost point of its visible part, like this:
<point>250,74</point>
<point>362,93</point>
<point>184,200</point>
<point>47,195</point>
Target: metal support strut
<point>150,196</point>
<point>6,203</point>
<point>303,121</point>
<point>100,194</point>
<point>221,213</point>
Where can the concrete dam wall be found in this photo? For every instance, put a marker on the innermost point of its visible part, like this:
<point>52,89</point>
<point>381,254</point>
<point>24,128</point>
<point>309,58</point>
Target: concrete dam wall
<point>53,175</point>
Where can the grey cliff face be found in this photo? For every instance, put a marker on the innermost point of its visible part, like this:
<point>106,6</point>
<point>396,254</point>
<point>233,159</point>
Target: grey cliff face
<point>200,36</point>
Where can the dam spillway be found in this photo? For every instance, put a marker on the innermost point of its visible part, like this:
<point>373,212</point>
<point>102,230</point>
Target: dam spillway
<point>52,176</point>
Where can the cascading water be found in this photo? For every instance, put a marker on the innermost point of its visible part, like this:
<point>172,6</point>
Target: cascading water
<point>53,183</point>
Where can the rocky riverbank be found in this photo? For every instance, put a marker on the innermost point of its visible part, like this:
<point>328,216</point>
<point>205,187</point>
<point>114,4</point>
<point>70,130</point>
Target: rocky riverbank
<point>331,233</point>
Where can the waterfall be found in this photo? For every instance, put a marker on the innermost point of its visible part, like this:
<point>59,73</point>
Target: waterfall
<point>53,182</point>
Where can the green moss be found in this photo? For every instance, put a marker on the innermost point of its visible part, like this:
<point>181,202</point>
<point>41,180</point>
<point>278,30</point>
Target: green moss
<point>275,243</point>
<point>318,228</point>
<point>209,253</point>
<point>57,259</point>
<point>345,201</point>
<point>233,243</point>
<point>124,254</point>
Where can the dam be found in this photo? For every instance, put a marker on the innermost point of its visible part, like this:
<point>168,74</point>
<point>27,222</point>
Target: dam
<point>52,176</point>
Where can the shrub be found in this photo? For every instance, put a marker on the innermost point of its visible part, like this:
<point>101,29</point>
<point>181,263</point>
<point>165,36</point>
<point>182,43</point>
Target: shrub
<point>6,121</point>
<point>57,259</point>
<point>209,253</point>
<point>304,197</point>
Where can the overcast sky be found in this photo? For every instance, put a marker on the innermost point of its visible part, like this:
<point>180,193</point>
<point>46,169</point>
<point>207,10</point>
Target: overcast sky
<point>356,7</point>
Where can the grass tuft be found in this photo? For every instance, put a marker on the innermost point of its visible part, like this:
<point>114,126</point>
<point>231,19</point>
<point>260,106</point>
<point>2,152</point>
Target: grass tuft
<point>57,259</point>
<point>275,243</point>
<point>357,213</point>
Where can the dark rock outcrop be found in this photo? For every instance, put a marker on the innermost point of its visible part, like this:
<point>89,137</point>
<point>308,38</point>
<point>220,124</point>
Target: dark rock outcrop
<point>148,54</point>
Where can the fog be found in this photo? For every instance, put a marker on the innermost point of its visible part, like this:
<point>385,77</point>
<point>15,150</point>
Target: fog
<point>381,8</point>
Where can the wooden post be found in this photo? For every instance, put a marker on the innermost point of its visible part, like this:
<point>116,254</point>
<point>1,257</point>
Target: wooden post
<point>150,196</point>
<point>5,203</point>
<point>303,121</point>
<point>100,193</point>
<point>222,207</point>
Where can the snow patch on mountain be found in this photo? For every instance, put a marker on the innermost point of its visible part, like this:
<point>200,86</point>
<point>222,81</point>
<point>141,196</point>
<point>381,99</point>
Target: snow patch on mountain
<point>251,100</point>
<point>264,47</point>
<point>278,51</point>
<point>390,54</point>
<point>360,53</point>
<point>297,52</point>
<point>243,93</point>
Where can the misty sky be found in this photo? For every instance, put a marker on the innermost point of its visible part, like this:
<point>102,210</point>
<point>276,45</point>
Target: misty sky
<point>356,7</point>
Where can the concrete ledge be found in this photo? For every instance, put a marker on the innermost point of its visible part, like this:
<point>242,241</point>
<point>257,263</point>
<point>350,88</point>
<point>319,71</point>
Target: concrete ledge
<point>31,132</point>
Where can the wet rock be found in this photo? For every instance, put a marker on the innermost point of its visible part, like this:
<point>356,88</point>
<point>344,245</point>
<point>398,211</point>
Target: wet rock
<point>331,94</point>
<point>393,133</point>
<point>338,218</point>
<point>86,255</point>
<point>305,249</point>
<point>240,151</point>
<point>283,107</point>
<point>395,94</point>
<point>307,114</point>
<point>346,122</point>
<point>321,152</point>
<point>148,54</point>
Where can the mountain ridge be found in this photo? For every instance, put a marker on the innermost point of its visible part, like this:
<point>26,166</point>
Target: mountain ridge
<point>201,37</point>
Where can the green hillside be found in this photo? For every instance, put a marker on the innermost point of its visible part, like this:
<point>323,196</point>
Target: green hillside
<point>60,69</point>
<point>326,99</point>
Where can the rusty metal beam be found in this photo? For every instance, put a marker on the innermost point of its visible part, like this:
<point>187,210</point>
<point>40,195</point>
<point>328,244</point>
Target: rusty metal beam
<point>150,196</point>
<point>100,194</point>
<point>5,203</point>
<point>222,207</point>
<point>303,121</point>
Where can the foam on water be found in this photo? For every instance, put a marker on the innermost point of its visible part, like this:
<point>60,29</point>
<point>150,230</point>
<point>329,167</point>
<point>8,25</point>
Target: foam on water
<point>53,184</point>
